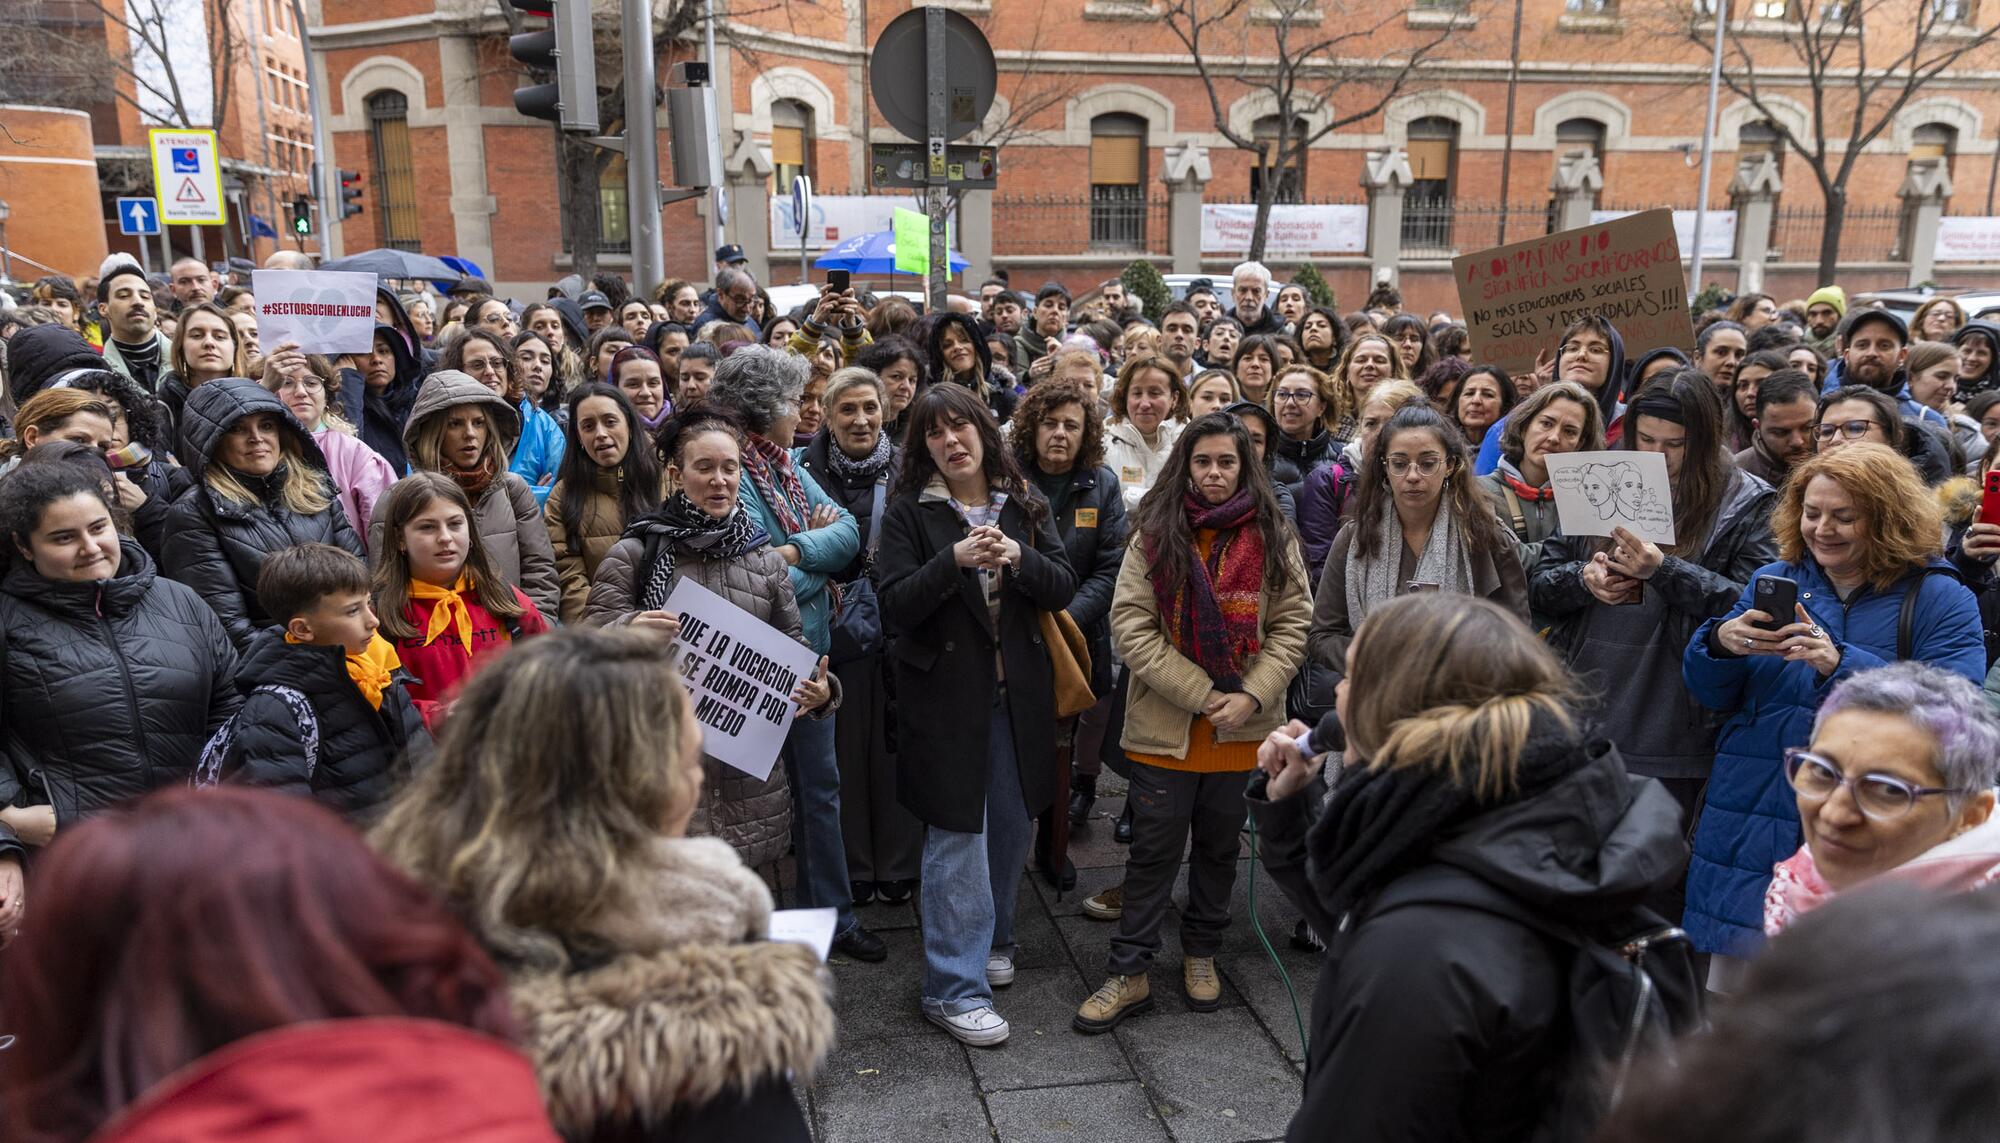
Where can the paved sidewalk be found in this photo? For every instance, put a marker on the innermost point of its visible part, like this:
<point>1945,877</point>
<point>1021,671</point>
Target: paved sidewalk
<point>1171,1074</point>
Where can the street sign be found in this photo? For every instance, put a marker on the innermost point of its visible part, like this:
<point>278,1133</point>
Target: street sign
<point>802,203</point>
<point>967,166</point>
<point>187,177</point>
<point>900,63</point>
<point>138,216</point>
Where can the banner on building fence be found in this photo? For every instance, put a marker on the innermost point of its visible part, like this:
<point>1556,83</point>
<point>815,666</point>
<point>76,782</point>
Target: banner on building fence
<point>834,217</point>
<point>1518,298</point>
<point>1968,239</point>
<point>741,672</point>
<point>1328,228</point>
<point>1718,234</point>
<point>324,311</point>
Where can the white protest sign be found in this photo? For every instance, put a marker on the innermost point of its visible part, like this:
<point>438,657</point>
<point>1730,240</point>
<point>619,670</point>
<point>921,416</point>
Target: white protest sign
<point>742,672</point>
<point>324,311</point>
<point>1599,491</point>
<point>1294,229</point>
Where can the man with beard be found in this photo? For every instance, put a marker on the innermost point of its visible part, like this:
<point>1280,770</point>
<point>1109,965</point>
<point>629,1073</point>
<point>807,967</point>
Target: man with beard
<point>1872,345</point>
<point>1250,284</point>
<point>1180,333</point>
<point>132,343</point>
<point>1113,293</point>
<point>191,282</point>
<point>1719,349</point>
<point>1202,296</point>
<point>1782,433</point>
<point>1824,309</point>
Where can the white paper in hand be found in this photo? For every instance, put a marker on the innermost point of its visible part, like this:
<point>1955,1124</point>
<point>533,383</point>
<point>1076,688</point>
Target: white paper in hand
<point>1599,491</point>
<point>741,672</point>
<point>812,928</point>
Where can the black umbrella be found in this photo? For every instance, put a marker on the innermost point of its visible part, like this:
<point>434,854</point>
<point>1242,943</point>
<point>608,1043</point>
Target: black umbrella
<point>387,263</point>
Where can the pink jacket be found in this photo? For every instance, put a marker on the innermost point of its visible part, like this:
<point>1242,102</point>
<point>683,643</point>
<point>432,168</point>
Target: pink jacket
<point>359,472</point>
<point>1963,863</point>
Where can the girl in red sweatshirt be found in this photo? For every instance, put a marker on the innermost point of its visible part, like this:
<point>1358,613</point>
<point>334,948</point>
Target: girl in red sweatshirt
<point>437,595</point>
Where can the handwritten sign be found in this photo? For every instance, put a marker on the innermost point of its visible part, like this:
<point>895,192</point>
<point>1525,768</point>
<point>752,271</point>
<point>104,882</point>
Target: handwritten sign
<point>324,311</point>
<point>1599,491</point>
<point>1519,298</point>
<point>741,672</point>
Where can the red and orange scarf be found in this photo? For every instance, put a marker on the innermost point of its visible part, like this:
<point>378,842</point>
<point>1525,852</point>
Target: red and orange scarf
<point>1211,615</point>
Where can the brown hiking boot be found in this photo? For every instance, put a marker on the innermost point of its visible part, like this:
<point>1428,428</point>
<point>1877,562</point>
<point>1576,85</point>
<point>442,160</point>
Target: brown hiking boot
<point>1120,997</point>
<point>1200,985</point>
<point>1106,906</point>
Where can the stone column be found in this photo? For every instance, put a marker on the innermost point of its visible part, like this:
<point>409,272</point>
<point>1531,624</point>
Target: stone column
<point>1924,192</point>
<point>1186,174</point>
<point>1386,174</point>
<point>1575,184</point>
<point>1754,192</point>
<point>749,189</point>
<point>472,204</point>
<point>975,237</point>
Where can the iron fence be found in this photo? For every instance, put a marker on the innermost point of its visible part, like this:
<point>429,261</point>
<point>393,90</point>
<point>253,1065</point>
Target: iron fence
<point>1122,221</point>
<point>1867,234</point>
<point>1443,228</point>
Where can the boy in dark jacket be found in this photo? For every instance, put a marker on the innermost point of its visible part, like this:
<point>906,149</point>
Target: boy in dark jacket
<point>344,751</point>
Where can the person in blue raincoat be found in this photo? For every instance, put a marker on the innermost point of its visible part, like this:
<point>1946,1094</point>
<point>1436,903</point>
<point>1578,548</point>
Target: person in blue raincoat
<point>1861,538</point>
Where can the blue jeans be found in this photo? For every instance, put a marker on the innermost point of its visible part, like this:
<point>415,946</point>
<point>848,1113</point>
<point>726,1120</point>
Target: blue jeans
<point>970,883</point>
<point>820,855</point>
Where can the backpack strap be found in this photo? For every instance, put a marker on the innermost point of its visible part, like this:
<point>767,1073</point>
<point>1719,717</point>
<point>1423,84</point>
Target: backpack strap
<point>1514,513</point>
<point>208,769</point>
<point>1906,616</point>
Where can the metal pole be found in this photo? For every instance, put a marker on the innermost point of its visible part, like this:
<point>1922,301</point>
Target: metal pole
<point>935,118</point>
<point>324,179</point>
<point>642,148</point>
<point>1507,152</point>
<point>6,256</point>
<point>1707,146</point>
<point>714,128</point>
<point>166,243</point>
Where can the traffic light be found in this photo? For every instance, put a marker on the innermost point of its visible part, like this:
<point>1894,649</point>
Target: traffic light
<point>565,49</point>
<point>350,193</point>
<point>302,216</point>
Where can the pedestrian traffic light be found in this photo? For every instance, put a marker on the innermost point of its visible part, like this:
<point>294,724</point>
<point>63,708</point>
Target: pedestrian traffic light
<point>350,193</point>
<point>302,216</point>
<point>565,48</point>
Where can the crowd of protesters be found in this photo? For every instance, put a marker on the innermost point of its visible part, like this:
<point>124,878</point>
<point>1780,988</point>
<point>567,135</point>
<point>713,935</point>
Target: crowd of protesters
<point>1255,557</point>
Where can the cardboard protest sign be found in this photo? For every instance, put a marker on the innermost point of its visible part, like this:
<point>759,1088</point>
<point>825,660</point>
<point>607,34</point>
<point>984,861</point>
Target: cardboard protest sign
<point>324,311</point>
<point>1519,298</point>
<point>741,672</point>
<point>1599,491</point>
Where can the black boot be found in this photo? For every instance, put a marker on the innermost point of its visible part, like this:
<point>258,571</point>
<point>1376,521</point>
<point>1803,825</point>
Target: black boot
<point>1122,832</point>
<point>1082,796</point>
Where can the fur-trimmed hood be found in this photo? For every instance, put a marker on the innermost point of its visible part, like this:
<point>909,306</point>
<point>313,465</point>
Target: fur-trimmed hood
<point>1958,500</point>
<point>697,1007</point>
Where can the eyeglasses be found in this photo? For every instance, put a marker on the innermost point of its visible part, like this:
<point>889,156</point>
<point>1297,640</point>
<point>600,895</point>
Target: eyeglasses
<point>1294,396</point>
<point>1878,796</point>
<point>1852,430</point>
<point>1425,465</point>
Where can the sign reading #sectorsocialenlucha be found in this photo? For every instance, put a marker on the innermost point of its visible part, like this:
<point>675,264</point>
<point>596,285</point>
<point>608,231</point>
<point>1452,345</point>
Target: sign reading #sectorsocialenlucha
<point>324,311</point>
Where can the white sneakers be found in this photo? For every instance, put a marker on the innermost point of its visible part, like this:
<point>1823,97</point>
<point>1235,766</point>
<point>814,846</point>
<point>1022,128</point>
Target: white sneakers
<point>980,1028</point>
<point>999,970</point>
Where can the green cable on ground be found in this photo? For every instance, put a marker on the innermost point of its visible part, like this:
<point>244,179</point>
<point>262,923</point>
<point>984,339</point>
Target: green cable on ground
<point>1257,926</point>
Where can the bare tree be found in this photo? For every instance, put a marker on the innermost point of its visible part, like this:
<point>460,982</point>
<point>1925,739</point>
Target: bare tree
<point>1862,62</point>
<point>178,67</point>
<point>1301,54</point>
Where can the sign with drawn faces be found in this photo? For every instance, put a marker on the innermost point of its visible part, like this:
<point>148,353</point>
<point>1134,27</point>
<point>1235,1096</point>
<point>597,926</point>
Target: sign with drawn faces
<point>1598,492</point>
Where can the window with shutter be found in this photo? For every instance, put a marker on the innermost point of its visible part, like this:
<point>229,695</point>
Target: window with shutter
<point>1116,160</point>
<point>1118,182</point>
<point>395,170</point>
<point>791,147</point>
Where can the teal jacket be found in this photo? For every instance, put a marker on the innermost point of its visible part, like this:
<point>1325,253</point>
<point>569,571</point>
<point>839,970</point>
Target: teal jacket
<point>822,552</point>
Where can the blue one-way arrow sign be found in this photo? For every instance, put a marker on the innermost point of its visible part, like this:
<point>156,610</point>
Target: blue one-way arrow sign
<point>138,216</point>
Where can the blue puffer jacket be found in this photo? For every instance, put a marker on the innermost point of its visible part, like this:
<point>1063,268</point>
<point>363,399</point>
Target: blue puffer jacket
<point>822,552</point>
<point>1750,821</point>
<point>539,453</point>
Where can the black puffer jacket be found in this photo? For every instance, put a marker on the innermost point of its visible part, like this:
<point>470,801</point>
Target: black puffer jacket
<point>110,688</point>
<point>163,482</point>
<point>380,415</point>
<point>1292,461</point>
<point>217,545</point>
<point>38,354</point>
<point>361,749</point>
<point>857,495</point>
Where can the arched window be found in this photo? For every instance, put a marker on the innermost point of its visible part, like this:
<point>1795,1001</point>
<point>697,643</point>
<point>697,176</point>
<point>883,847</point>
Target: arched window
<point>791,143</point>
<point>395,170</point>
<point>1292,175</point>
<point>1934,141</point>
<point>1580,135</point>
<point>1433,151</point>
<point>1118,181</point>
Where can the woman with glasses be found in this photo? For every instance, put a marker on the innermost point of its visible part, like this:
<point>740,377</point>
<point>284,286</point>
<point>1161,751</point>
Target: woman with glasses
<point>1300,400</point>
<point>1898,781</point>
<point>1861,541</point>
<point>1857,414</point>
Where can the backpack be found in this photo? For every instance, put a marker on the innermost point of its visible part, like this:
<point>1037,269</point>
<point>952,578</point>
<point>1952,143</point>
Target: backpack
<point>208,771</point>
<point>1632,988</point>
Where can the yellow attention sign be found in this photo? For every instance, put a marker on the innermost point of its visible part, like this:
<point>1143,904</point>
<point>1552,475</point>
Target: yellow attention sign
<point>187,177</point>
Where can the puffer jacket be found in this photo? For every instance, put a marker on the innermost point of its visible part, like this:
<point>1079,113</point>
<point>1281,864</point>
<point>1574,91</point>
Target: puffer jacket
<point>217,545</point>
<point>510,522</point>
<point>823,552</point>
<point>362,750</point>
<point>857,495</point>
<point>163,482</point>
<point>538,456</point>
<point>753,817</point>
<point>1293,462</point>
<point>110,688</point>
<point>1136,463</point>
<point>1750,820</point>
<point>1959,499</point>
<point>1323,502</point>
<point>601,527</point>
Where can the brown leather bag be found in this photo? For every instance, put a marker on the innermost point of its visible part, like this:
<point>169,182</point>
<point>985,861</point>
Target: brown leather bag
<point>1069,655</point>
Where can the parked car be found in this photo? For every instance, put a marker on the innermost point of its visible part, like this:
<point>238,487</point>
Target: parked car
<point>1219,282</point>
<point>1904,302</point>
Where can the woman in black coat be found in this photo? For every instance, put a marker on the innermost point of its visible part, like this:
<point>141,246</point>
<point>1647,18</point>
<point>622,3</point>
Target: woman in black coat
<point>967,563</point>
<point>1059,443</point>
<point>1472,810</point>
<point>112,678</point>
<point>854,462</point>
<point>261,485</point>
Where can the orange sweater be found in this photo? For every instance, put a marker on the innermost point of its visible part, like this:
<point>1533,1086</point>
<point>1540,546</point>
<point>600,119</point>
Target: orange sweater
<point>1204,754</point>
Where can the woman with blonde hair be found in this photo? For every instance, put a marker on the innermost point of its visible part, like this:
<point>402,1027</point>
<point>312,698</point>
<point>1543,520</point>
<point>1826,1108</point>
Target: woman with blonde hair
<point>1474,810</point>
<point>1936,320</point>
<point>550,825</point>
<point>1211,391</point>
<point>1368,360</point>
<point>58,415</point>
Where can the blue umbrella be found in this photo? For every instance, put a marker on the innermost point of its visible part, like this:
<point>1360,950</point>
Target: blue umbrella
<point>873,254</point>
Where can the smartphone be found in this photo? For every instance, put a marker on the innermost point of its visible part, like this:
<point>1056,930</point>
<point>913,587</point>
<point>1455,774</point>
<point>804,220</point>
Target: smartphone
<point>836,280</point>
<point>1417,585</point>
<point>133,455</point>
<point>1989,502</point>
<point>1778,598</point>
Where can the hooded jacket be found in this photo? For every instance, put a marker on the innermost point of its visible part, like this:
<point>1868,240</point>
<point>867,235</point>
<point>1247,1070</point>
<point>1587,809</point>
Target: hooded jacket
<point>509,520</point>
<point>379,416</point>
<point>383,1079</point>
<point>1610,399</point>
<point>1749,821</point>
<point>39,354</point>
<point>537,457</point>
<point>217,545</point>
<point>361,749</point>
<point>110,689</point>
<point>998,397</point>
<point>1984,383</point>
<point>1436,1021</point>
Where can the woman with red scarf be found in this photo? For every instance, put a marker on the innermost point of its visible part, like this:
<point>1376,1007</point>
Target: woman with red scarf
<point>1210,615</point>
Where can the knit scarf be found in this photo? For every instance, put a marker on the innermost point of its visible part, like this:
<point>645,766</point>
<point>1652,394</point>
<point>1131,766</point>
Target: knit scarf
<point>372,670</point>
<point>1211,615</point>
<point>770,469</point>
<point>1444,561</point>
<point>475,481</point>
<point>682,525</point>
<point>866,469</point>
<point>450,612</point>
